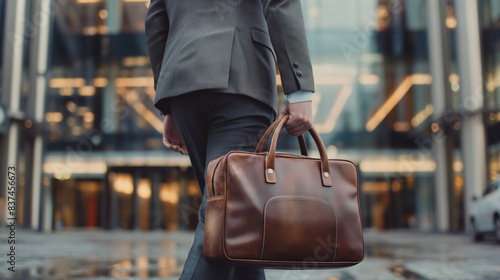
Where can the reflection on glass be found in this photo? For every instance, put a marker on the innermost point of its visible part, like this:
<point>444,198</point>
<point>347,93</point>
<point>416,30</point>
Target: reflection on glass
<point>167,266</point>
<point>371,69</point>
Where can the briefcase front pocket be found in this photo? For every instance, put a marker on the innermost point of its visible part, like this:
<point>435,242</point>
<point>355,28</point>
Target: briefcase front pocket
<point>291,231</point>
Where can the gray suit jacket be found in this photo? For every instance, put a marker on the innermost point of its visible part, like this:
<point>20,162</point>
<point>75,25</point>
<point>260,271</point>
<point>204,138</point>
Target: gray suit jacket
<point>228,46</point>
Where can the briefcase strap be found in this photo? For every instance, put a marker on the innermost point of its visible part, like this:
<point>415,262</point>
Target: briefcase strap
<point>270,171</point>
<point>302,141</point>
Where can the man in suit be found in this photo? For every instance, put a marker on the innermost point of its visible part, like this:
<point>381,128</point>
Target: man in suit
<point>213,64</point>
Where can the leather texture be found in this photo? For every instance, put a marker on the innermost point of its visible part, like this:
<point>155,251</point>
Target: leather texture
<point>228,46</point>
<point>281,210</point>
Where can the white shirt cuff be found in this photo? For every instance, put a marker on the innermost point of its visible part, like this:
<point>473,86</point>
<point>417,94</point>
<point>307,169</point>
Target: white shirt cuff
<point>299,96</point>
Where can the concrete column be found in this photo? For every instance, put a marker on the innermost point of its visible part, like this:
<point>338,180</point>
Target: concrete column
<point>114,20</point>
<point>39,53</point>
<point>471,103</point>
<point>439,64</point>
<point>11,92</point>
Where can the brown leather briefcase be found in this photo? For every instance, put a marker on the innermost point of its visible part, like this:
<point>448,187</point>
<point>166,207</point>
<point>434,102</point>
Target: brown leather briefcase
<point>280,210</point>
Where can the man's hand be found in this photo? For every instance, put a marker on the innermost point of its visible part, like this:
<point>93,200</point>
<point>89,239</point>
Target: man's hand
<point>300,119</point>
<point>171,137</point>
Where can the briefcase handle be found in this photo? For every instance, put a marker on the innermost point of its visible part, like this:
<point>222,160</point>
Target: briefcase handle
<point>302,141</point>
<point>270,171</point>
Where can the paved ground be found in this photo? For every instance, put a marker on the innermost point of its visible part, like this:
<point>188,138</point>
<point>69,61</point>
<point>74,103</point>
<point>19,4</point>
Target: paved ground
<point>159,255</point>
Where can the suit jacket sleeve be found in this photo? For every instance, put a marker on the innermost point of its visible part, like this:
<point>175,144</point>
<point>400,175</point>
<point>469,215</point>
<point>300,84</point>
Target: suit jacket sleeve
<point>157,26</point>
<point>288,35</point>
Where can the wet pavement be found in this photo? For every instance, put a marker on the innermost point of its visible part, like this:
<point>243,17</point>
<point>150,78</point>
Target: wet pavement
<point>99,254</point>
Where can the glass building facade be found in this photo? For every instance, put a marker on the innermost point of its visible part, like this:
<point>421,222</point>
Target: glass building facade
<point>104,164</point>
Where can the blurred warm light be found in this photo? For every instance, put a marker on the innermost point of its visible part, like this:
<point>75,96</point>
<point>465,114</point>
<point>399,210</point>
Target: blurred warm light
<point>458,166</point>
<point>100,82</point>
<point>66,91</point>
<point>396,96</point>
<point>123,183</point>
<point>454,79</point>
<point>421,116</point>
<point>120,270</point>
<point>396,186</point>
<point>169,192</point>
<point>66,82</point>
<point>134,82</point>
<point>89,186</point>
<point>82,110</point>
<point>375,187</point>
<point>102,29</point>
<point>193,188</point>
<point>397,165</point>
<point>458,186</point>
<point>389,104</point>
<point>103,14</point>
<point>62,175</point>
<point>89,30</point>
<point>89,1</point>
<point>383,17</point>
<point>335,111</point>
<point>77,130</point>
<point>142,264</point>
<point>492,84</point>
<point>451,21</point>
<point>131,98</point>
<point>494,169</point>
<point>53,117</point>
<point>368,79</point>
<point>86,91</point>
<point>144,188</point>
<point>401,126</point>
<point>278,80</point>
<point>399,271</point>
<point>150,91</point>
<point>88,117</point>
<point>79,166</point>
<point>136,61</point>
<point>435,127</point>
<point>166,266</point>
<point>71,106</point>
<point>457,126</point>
<point>421,79</point>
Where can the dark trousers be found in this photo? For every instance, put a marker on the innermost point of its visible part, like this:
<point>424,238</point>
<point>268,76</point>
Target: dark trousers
<point>211,124</point>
